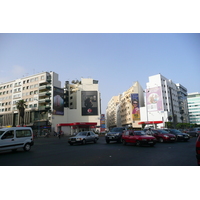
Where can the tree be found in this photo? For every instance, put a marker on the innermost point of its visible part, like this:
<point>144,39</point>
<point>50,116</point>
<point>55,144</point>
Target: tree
<point>21,105</point>
<point>170,118</point>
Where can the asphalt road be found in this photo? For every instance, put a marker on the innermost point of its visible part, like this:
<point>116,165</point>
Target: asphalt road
<point>57,152</point>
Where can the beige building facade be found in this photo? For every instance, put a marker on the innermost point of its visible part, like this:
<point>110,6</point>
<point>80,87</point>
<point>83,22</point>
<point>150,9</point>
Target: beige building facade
<point>124,109</point>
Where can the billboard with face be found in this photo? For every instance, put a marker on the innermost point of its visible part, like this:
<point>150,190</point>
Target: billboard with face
<point>89,102</point>
<point>154,99</point>
<point>135,107</point>
<point>58,101</point>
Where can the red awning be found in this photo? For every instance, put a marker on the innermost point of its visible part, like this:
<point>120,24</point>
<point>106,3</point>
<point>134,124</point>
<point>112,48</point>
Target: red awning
<point>78,124</point>
<point>151,122</point>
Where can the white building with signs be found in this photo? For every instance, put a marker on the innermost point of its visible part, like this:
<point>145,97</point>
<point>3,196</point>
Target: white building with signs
<point>162,101</point>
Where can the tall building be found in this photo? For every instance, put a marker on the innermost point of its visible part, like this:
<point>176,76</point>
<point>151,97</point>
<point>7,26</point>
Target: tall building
<point>194,107</point>
<point>111,111</point>
<point>37,91</point>
<point>164,98</point>
<point>124,110</point>
<point>48,106</point>
<point>183,103</point>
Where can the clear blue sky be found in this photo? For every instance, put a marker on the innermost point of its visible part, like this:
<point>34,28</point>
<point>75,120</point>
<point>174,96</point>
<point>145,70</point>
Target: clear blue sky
<point>116,60</point>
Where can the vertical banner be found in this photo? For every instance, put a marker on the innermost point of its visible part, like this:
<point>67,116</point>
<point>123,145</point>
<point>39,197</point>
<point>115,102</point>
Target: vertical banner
<point>154,99</point>
<point>89,103</point>
<point>58,101</point>
<point>135,107</point>
<point>102,123</point>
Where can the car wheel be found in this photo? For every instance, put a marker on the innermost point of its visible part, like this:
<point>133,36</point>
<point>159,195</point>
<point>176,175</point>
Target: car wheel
<point>138,143</point>
<point>95,140</point>
<point>161,140</point>
<point>14,150</point>
<point>27,147</point>
<point>107,141</point>
<point>123,142</point>
<point>83,142</point>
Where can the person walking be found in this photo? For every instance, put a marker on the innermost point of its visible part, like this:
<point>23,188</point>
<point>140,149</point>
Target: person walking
<point>59,134</point>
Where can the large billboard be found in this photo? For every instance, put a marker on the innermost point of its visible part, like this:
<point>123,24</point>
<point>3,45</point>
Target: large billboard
<point>58,101</point>
<point>89,102</point>
<point>135,106</point>
<point>154,99</point>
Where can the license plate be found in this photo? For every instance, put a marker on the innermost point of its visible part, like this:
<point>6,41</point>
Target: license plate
<point>186,137</point>
<point>172,138</point>
<point>110,137</point>
<point>150,142</point>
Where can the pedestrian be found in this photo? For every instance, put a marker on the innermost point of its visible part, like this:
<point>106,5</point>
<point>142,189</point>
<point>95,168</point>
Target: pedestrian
<point>55,134</point>
<point>149,132</point>
<point>59,134</point>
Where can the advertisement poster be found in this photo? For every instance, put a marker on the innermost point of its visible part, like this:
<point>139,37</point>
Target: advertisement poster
<point>58,101</point>
<point>135,107</point>
<point>102,123</point>
<point>154,99</point>
<point>89,103</point>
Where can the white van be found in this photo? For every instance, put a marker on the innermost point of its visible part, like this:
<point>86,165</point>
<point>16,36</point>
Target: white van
<point>16,137</point>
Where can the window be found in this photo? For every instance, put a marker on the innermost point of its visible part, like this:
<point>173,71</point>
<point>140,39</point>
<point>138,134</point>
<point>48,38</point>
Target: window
<point>23,133</point>
<point>8,135</point>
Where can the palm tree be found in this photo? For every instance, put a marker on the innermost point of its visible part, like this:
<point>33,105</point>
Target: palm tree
<point>21,105</point>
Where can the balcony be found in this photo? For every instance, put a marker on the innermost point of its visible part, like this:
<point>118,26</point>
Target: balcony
<point>43,94</point>
<point>45,100</point>
<point>45,87</point>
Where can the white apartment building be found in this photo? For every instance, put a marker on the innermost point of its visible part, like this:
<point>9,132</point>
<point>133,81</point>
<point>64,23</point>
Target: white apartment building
<point>124,109</point>
<point>194,107</point>
<point>162,101</point>
<point>112,110</point>
<point>48,107</point>
<point>37,91</point>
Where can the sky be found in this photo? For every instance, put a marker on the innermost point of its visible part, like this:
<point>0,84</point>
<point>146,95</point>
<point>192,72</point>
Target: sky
<point>116,60</point>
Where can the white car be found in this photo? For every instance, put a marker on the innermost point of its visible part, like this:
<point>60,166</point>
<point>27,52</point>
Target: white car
<point>16,137</point>
<point>83,137</point>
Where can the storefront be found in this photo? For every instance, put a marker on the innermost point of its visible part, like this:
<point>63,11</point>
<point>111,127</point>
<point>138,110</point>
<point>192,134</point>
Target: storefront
<point>72,128</point>
<point>152,124</point>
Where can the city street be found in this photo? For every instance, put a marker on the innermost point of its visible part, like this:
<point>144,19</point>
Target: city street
<point>57,152</point>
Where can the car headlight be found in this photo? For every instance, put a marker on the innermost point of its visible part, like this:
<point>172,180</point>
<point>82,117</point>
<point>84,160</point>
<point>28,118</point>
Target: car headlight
<point>117,134</point>
<point>79,139</point>
<point>166,136</point>
<point>180,136</point>
<point>106,134</point>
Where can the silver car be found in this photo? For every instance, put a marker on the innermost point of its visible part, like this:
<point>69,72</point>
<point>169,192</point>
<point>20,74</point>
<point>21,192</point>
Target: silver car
<point>83,137</point>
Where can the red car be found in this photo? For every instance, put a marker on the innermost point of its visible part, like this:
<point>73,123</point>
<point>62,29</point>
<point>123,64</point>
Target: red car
<point>138,138</point>
<point>163,136</point>
<point>198,150</point>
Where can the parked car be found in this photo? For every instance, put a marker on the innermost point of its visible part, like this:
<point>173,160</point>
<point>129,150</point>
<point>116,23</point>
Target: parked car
<point>198,150</point>
<point>138,138</point>
<point>16,137</point>
<point>163,136</point>
<point>83,137</point>
<point>115,134</point>
<point>195,132</point>
<point>179,135</point>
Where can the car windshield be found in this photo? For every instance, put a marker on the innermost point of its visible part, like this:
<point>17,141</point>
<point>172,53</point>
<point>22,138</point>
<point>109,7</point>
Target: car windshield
<point>1,132</point>
<point>139,133</point>
<point>82,133</point>
<point>117,129</point>
<point>163,132</point>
